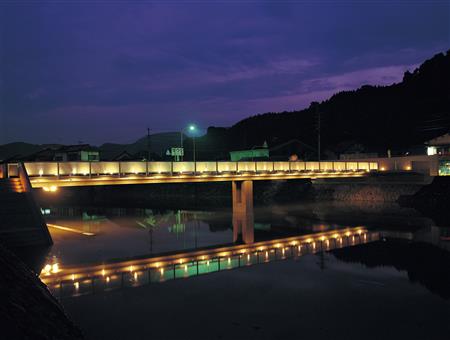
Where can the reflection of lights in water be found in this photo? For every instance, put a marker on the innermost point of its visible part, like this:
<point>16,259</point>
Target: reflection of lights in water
<point>54,275</point>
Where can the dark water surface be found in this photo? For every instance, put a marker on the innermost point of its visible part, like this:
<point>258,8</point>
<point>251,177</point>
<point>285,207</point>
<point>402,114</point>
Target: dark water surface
<point>395,285</point>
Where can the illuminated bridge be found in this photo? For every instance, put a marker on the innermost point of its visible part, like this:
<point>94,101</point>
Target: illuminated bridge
<point>20,178</point>
<point>69,174</point>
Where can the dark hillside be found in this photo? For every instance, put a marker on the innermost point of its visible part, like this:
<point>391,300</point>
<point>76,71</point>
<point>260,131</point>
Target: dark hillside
<point>375,117</point>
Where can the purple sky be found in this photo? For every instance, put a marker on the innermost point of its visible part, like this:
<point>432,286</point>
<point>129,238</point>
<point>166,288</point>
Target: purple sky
<point>104,71</point>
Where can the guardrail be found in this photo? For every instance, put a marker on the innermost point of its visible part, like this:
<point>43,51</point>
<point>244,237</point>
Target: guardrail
<point>65,169</point>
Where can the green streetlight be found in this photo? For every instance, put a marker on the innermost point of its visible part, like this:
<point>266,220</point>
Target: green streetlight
<point>192,128</point>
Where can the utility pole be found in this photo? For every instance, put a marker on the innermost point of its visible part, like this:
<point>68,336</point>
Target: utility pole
<point>148,144</point>
<point>318,132</point>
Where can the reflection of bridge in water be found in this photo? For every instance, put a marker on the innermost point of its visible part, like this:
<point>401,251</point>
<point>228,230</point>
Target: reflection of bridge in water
<point>76,280</point>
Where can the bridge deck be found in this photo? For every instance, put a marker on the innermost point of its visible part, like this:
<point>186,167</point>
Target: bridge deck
<point>49,174</point>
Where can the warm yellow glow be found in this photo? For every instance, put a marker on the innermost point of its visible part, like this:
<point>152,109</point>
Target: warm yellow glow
<point>41,172</point>
<point>185,267</point>
<point>135,275</point>
<point>107,279</point>
<point>382,168</point>
<point>55,268</point>
<point>229,260</point>
<point>77,285</point>
<point>207,263</point>
<point>73,277</point>
<point>408,168</point>
<point>103,272</point>
<point>322,238</point>
<point>131,268</point>
<point>47,269</point>
<point>248,257</point>
<point>161,271</point>
<point>348,233</point>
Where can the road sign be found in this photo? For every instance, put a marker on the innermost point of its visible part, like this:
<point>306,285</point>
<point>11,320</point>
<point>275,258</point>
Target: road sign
<point>177,151</point>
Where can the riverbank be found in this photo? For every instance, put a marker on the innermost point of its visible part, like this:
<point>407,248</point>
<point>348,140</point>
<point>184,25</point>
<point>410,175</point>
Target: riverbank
<point>27,309</point>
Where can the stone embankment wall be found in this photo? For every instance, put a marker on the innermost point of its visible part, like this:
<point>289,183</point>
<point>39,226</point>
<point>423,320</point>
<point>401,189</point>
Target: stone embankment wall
<point>27,309</point>
<point>377,188</point>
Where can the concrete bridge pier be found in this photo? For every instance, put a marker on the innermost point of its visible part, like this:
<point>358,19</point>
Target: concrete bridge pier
<point>243,218</point>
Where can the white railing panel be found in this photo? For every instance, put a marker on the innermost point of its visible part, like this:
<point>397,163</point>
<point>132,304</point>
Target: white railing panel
<point>352,166</point>
<point>339,166</point>
<point>227,166</point>
<point>206,167</point>
<point>104,168</point>
<point>281,166</point>
<point>364,166</point>
<point>74,168</point>
<point>247,166</point>
<point>41,168</point>
<point>133,167</point>
<point>264,166</point>
<point>159,167</point>
<point>298,166</point>
<point>181,167</point>
<point>326,166</point>
<point>312,166</point>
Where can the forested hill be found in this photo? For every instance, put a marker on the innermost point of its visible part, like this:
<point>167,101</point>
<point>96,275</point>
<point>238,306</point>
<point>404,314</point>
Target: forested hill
<point>376,117</point>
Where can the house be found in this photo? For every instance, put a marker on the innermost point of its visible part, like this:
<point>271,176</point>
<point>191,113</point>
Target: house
<point>79,152</point>
<point>439,145</point>
<point>254,154</point>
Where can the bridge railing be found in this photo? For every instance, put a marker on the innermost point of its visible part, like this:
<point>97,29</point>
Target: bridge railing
<point>39,169</point>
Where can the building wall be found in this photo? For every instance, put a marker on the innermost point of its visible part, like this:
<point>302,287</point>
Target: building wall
<point>428,165</point>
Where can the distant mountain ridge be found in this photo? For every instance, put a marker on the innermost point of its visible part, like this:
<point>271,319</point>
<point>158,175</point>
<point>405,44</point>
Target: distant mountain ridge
<point>159,143</point>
